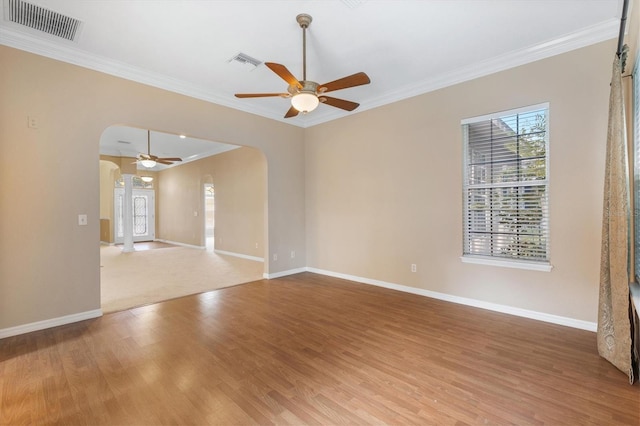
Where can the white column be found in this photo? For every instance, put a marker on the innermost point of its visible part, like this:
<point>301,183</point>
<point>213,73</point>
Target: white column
<point>127,213</point>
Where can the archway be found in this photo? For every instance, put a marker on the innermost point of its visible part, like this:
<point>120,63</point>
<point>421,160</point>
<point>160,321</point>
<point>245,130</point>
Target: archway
<point>239,176</point>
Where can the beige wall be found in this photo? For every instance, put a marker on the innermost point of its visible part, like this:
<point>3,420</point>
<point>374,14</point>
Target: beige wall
<point>49,266</point>
<point>107,178</point>
<point>108,172</point>
<point>383,187</point>
<point>239,179</point>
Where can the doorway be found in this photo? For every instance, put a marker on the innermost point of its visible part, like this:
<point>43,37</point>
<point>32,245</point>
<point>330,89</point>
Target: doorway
<point>143,202</point>
<point>209,216</point>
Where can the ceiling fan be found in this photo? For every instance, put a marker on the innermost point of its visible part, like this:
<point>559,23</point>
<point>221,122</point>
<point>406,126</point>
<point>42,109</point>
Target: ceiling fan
<point>149,160</point>
<point>306,94</point>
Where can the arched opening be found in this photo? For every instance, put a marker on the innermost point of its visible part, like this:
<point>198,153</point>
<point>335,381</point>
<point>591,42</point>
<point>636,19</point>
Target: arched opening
<point>184,215</point>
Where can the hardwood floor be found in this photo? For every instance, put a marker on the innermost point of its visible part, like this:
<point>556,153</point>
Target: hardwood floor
<point>308,349</point>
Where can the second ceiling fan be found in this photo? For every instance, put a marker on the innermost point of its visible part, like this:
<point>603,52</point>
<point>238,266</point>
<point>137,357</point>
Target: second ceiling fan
<point>306,94</point>
<point>149,160</point>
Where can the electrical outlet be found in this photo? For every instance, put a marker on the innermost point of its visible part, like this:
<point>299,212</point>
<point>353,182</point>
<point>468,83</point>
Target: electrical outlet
<point>414,268</point>
<point>293,254</point>
<point>275,257</point>
<point>256,245</point>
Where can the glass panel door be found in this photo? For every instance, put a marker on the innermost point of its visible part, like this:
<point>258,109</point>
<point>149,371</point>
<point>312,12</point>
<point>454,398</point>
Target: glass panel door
<point>143,203</point>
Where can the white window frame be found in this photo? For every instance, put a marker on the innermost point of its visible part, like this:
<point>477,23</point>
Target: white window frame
<point>542,265</point>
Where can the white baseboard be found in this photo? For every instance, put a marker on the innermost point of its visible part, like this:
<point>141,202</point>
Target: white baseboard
<point>283,273</point>
<point>540,316</point>
<point>53,322</point>
<point>175,243</point>
<point>240,255</point>
<point>525,313</point>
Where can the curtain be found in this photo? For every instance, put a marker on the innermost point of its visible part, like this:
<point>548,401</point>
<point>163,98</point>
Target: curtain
<point>614,325</point>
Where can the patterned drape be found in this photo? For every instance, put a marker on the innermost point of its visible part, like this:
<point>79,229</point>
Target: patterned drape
<point>614,326</point>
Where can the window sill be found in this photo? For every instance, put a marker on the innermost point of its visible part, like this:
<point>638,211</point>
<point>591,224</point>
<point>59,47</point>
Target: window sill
<point>504,263</point>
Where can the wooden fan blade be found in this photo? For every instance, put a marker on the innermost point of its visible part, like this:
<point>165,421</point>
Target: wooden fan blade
<point>339,103</point>
<point>291,113</point>
<point>261,95</point>
<point>353,80</point>
<point>163,161</point>
<point>169,159</point>
<point>284,74</point>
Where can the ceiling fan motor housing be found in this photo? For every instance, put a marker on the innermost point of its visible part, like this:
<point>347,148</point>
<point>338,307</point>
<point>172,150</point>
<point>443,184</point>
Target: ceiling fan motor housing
<point>307,87</point>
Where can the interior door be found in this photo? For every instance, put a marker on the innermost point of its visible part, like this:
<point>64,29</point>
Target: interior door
<point>143,203</point>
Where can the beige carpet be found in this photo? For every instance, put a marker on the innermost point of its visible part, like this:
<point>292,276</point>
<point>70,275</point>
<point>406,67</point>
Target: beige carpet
<point>142,277</point>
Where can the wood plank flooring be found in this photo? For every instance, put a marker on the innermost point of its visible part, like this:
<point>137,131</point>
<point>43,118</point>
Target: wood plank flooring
<point>308,349</point>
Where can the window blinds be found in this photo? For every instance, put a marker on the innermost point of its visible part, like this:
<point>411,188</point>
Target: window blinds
<point>506,200</point>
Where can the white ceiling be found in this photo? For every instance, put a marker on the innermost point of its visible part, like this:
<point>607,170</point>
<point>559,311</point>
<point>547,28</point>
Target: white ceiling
<point>407,47</point>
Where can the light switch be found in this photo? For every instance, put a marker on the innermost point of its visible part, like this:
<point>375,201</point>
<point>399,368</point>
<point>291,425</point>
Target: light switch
<point>32,122</point>
<point>82,219</point>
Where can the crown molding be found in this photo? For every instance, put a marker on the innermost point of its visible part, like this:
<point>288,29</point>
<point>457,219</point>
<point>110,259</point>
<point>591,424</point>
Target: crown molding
<point>54,50</point>
<point>69,54</point>
<point>586,37</point>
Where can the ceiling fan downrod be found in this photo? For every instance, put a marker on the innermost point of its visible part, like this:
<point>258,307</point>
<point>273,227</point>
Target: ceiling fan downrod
<point>304,21</point>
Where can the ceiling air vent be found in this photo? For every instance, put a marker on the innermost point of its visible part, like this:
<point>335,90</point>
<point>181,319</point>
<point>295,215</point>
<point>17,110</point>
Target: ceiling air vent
<point>41,19</point>
<point>245,61</point>
<point>352,4</point>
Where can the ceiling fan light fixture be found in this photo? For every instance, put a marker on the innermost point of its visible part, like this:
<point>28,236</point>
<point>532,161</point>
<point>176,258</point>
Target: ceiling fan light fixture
<point>148,163</point>
<point>305,102</point>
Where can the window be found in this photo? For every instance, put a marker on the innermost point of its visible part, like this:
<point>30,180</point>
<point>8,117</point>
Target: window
<point>137,181</point>
<point>506,189</point>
